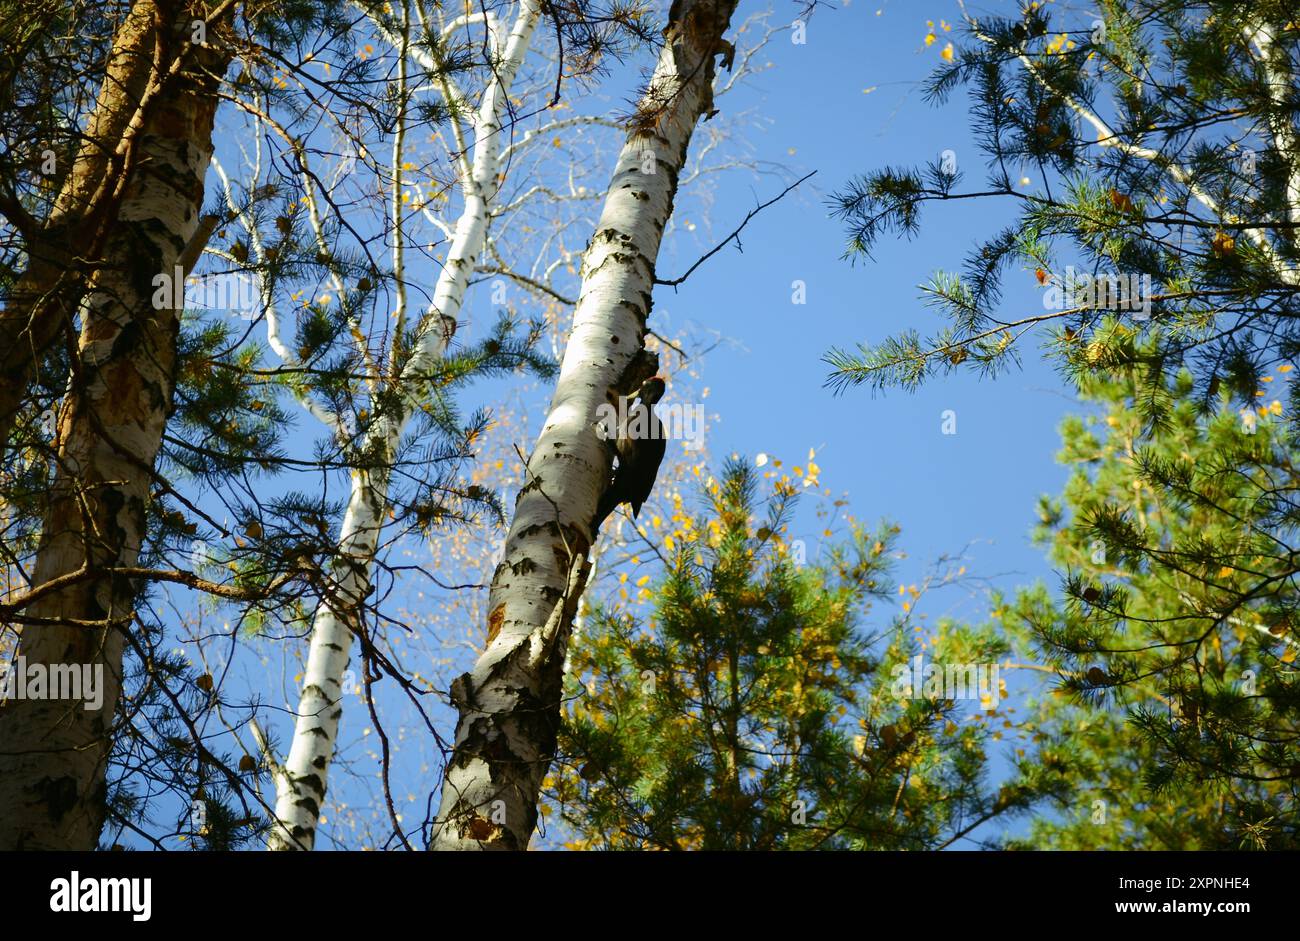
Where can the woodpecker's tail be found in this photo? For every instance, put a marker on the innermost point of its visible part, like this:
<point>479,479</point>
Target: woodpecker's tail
<point>608,501</point>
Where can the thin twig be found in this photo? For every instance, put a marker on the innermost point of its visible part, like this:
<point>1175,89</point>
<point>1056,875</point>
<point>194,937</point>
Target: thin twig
<point>734,235</point>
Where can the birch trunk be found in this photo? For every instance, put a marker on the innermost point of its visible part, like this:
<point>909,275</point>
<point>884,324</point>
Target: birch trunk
<point>509,704</point>
<point>301,782</point>
<point>46,296</point>
<point>1281,79</point>
<point>53,753</point>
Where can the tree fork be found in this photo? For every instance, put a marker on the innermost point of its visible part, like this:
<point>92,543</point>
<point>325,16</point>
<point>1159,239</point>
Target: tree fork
<point>67,249</point>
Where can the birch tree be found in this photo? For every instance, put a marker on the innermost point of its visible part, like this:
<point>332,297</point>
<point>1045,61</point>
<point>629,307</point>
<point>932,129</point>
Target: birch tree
<point>374,376</point>
<point>415,629</point>
<point>78,611</point>
<point>509,703</point>
<point>301,779</point>
<point>225,424</point>
<point>62,204</point>
<point>108,523</point>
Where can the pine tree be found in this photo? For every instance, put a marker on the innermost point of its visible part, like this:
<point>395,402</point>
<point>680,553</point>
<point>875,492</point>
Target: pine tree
<point>1175,638</point>
<point>752,708</point>
<point>1150,155</point>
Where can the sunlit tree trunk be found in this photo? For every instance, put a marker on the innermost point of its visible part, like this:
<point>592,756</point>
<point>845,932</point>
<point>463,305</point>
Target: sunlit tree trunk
<point>509,704</point>
<point>61,248</point>
<point>53,753</point>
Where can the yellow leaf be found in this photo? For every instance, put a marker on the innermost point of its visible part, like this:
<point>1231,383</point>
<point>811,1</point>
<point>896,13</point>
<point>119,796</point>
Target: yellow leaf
<point>1121,201</point>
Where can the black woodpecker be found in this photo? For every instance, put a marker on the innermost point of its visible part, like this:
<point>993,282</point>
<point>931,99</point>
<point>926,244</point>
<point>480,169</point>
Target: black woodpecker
<point>640,449</point>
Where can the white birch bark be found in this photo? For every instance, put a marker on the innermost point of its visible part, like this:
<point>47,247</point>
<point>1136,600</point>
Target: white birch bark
<point>53,753</point>
<point>1281,83</point>
<point>301,788</point>
<point>509,704</point>
<point>46,296</point>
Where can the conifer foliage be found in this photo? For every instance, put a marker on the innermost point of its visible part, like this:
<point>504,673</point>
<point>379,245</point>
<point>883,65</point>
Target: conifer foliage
<point>752,704</point>
<point>1147,160</point>
<point>1175,638</point>
<point>1153,148</point>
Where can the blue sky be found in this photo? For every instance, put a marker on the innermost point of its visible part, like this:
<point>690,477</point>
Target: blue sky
<point>977,486</point>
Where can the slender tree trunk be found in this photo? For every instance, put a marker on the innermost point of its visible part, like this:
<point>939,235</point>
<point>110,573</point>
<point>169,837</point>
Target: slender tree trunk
<point>53,753</point>
<point>301,783</point>
<point>509,704</point>
<point>1281,79</point>
<point>62,250</point>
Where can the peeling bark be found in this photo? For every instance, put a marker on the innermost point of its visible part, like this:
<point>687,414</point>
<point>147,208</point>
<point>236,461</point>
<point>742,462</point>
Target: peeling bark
<point>509,703</point>
<point>53,753</point>
<point>63,249</point>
